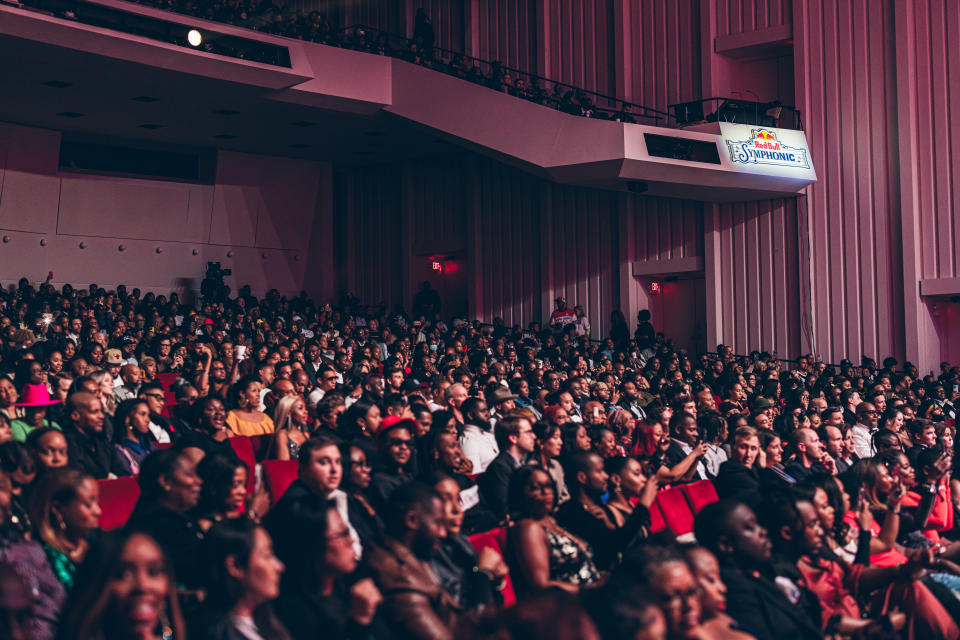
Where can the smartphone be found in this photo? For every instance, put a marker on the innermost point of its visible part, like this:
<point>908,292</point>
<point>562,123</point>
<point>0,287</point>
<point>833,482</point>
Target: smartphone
<point>863,495</point>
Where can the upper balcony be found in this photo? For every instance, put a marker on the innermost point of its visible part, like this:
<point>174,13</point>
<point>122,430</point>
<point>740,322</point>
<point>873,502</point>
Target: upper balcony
<point>111,68</point>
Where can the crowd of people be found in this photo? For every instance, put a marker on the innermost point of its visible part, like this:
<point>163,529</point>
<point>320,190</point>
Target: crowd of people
<point>838,492</point>
<point>314,26</point>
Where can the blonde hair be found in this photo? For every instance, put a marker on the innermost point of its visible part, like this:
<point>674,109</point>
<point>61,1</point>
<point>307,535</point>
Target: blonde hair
<point>283,413</point>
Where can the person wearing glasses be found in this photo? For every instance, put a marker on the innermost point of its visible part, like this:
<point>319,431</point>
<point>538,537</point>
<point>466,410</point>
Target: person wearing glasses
<point>395,447</point>
<point>863,430</point>
<point>160,426</point>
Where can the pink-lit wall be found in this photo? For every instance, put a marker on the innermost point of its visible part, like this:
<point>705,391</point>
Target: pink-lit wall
<point>256,219</point>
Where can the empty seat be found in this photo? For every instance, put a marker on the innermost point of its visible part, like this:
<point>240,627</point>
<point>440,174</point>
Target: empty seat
<point>676,511</point>
<point>118,497</point>
<point>244,450</point>
<point>279,475</point>
<point>699,494</point>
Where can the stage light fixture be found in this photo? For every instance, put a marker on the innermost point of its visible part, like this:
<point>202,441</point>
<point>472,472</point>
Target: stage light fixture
<point>194,38</point>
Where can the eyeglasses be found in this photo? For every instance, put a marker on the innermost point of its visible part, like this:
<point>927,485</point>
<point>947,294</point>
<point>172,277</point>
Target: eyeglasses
<point>362,464</point>
<point>156,396</point>
<point>400,442</point>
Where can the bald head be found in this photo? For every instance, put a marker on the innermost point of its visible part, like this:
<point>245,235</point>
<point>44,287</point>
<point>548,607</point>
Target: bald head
<point>130,374</point>
<point>86,412</point>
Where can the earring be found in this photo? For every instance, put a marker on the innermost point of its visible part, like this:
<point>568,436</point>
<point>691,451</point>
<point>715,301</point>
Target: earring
<point>60,523</point>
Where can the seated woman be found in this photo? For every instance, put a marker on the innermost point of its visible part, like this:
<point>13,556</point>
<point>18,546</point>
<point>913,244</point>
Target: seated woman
<point>125,589</point>
<point>29,563</point>
<point>223,495</point>
<point>292,424</point>
<point>714,619</point>
<point>663,572</point>
<point>313,542</point>
<point>20,468</point>
<point>549,449</point>
<point>35,402</point>
<point>169,490</point>
<point>628,487</point>
<point>242,579</point>
<point>794,526</point>
<point>246,419</point>
<point>132,439</point>
<point>850,544</point>
<point>541,553</point>
<point>65,510</point>
<point>211,433</point>
<point>356,482</point>
<point>49,448</point>
<point>395,448</point>
<point>472,578</point>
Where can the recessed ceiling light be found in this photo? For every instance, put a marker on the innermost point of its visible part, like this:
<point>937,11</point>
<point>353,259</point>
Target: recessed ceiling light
<point>148,125</point>
<point>303,123</point>
<point>145,99</point>
<point>194,38</point>
<point>225,112</point>
<point>225,136</point>
<point>70,114</point>
<point>300,145</point>
<point>57,84</point>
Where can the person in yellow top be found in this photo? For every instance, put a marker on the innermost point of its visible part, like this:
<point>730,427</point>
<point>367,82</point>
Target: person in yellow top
<point>247,419</point>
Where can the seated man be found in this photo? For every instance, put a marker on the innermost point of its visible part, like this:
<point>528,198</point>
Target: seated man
<point>414,603</point>
<point>755,600</point>
<point>737,478</point>
<point>586,516</point>
<point>811,456</point>
<point>516,440</point>
<point>319,473</point>
<point>478,441</point>
<point>87,447</point>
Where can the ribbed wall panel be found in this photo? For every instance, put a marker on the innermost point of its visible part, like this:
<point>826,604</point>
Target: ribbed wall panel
<point>447,18</point>
<point>664,49</point>
<point>580,253</point>
<point>506,31</point>
<point>665,229</point>
<point>743,16</point>
<point>437,200</point>
<point>507,236</point>
<point>847,91</point>
<point>581,44</point>
<point>936,59</point>
<point>368,226</point>
<point>759,306</point>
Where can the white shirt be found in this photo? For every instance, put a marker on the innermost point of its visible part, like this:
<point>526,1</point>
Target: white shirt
<point>686,448</point>
<point>862,442</point>
<point>339,498</point>
<point>159,433</point>
<point>479,447</point>
<point>315,396</point>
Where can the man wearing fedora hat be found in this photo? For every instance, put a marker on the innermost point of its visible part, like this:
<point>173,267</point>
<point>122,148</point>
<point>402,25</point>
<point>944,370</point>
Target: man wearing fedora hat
<point>502,402</point>
<point>35,401</point>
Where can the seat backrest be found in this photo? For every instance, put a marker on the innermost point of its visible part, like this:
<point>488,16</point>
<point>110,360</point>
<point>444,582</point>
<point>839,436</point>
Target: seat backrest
<point>167,379</point>
<point>118,497</point>
<point>496,539</point>
<point>279,475</point>
<point>244,450</point>
<point>699,494</point>
<point>657,523</point>
<point>676,511</point>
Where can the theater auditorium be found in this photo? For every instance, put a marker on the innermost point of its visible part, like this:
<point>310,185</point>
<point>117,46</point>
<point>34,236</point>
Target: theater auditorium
<point>479,319</point>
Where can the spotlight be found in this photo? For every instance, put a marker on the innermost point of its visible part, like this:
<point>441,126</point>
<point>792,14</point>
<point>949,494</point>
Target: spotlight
<point>194,38</point>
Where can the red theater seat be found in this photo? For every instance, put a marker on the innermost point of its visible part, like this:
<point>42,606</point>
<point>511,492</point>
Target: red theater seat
<point>676,511</point>
<point>657,523</point>
<point>244,450</point>
<point>260,445</point>
<point>699,494</point>
<point>117,499</point>
<point>279,475</point>
<point>496,539</point>
<point>167,380</point>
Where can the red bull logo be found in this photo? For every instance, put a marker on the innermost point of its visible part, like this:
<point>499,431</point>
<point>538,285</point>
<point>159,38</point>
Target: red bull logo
<point>764,147</point>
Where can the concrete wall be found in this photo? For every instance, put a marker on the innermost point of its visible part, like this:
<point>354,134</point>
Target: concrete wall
<point>256,218</point>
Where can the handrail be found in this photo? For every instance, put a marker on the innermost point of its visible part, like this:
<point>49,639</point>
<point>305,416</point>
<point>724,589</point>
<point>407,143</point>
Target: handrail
<point>451,56</point>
